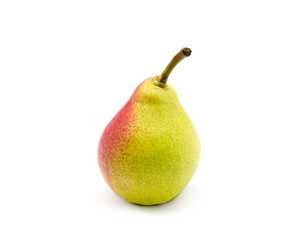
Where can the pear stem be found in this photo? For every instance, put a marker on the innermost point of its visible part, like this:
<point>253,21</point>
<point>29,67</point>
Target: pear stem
<point>185,52</point>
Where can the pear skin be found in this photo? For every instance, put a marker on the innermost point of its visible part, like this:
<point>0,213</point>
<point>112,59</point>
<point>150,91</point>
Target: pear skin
<point>150,150</point>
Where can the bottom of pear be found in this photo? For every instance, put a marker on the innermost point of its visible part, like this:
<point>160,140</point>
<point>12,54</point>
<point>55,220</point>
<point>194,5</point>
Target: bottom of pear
<point>152,204</point>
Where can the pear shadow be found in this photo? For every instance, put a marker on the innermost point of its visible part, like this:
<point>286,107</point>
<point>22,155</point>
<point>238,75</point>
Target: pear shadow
<point>182,201</point>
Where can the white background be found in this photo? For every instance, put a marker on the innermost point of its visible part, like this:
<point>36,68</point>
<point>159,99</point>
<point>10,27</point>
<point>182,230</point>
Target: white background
<point>67,67</point>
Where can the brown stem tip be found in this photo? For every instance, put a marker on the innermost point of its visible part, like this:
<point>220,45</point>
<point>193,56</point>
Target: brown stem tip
<point>184,52</point>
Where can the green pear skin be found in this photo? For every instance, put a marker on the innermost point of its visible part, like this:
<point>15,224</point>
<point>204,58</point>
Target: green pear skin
<point>150,150</point>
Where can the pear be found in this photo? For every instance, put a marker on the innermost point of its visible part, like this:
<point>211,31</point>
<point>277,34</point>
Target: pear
<point>150,150</point>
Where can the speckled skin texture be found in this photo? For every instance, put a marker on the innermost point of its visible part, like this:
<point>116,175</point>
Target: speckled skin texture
<point>150,150</point>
